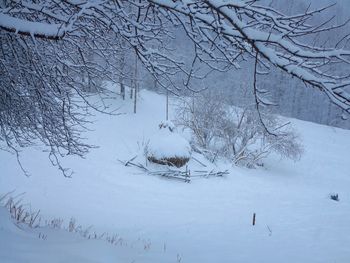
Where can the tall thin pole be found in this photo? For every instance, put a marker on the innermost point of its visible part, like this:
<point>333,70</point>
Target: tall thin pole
<point>167,105</point>
<point>136,84</point>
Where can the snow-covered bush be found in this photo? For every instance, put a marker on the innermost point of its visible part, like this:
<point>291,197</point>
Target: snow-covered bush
<point>168,147</point>
<point>236,133</point>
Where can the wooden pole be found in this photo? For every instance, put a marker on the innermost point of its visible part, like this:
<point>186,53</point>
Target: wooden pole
<point>167,105</point>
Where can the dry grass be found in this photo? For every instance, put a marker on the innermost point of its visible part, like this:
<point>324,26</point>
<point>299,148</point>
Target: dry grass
<point>172,161</point>
<point>20,213</point>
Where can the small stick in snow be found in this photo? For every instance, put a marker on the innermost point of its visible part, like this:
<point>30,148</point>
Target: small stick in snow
<point>133,158</point>
<point>254,219</point>
<point>198,161</point>
<point>270,231</point>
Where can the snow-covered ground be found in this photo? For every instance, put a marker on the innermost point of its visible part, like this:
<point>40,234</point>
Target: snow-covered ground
<point>162,220</point>
<point>22,244</point>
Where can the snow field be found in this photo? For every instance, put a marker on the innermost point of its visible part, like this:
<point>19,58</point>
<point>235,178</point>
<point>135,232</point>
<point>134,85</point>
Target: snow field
<point>207,220</point>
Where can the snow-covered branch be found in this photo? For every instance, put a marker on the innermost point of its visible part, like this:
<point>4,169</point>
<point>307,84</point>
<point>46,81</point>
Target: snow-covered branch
<point>52,52</point>
<point>35,29</point>
<point>245,27</point>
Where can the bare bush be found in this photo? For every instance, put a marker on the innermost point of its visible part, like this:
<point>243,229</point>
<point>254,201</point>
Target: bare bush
<point>236,133</point>
<point>199,114</point>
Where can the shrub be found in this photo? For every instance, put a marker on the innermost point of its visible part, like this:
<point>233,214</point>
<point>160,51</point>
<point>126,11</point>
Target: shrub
<point>236,133</point>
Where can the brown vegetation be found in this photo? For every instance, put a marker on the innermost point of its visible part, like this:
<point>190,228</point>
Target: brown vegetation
<point>171,161</point>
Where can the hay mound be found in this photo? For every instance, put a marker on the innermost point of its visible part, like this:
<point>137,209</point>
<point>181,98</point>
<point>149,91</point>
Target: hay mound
<point>167,147</point>
<point>172,161</point>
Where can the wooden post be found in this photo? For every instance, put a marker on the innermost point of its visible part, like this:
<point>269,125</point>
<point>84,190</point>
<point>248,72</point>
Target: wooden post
<point>167,105</point>
<point>254,219</point>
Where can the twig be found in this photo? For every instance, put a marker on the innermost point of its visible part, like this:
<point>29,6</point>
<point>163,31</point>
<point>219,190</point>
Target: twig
<point>198,161</point>
<point>126,164</point>
<point>270,231</point>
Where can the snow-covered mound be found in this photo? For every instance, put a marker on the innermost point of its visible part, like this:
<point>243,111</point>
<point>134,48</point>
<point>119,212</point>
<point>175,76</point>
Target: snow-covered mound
<point>168,147</point>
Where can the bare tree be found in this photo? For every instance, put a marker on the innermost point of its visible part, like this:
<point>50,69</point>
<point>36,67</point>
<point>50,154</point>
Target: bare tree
<point>43,94</point>
<point>45,47</point>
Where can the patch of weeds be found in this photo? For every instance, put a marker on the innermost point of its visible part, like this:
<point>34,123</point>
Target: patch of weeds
<point>334,197</point>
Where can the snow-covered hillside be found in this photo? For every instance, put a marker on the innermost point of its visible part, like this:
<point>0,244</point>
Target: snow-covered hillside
<point>161,220</point>
<point>22,244</point>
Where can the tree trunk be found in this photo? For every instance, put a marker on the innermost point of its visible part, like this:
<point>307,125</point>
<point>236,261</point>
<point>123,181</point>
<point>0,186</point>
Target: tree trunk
<point>135,84</point>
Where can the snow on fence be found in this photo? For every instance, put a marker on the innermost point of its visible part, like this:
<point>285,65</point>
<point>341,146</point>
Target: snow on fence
<point>169,173</point>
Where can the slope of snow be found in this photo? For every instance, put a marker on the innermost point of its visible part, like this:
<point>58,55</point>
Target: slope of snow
<point>20,243</point>
<point>207,220</point>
